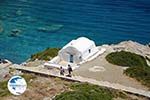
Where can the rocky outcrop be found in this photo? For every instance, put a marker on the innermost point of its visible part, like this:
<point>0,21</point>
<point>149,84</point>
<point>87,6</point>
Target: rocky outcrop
<point>148,44</point>
<point>15,32</point>
<point>134,47</point>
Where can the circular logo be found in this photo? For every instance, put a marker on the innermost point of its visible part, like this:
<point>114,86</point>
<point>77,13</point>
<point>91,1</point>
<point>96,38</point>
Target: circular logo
<point>17,85</point>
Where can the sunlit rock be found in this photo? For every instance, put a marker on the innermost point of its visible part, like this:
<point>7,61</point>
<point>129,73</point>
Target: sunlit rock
<point>15,32</point>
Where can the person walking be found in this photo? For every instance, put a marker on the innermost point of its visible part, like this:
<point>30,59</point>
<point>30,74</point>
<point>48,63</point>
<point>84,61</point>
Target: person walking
<point>62,71</point>
<point>69,71</point>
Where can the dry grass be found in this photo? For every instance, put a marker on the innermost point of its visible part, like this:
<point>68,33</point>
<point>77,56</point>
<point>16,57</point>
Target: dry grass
<point>45,87</point>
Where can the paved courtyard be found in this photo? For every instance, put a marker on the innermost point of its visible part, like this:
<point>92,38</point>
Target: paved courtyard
<point>99,69</point>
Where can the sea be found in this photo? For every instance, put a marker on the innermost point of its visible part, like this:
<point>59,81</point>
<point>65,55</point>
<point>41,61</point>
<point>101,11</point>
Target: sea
<point>29,26</point>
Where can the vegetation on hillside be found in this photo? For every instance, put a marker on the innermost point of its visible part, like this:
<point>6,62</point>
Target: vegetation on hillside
<point>3,84</point>
<point>47,54</point>
<point>124,58</point>
<point>138,67</point>
<point>40,88</point>
<point>85,91</point>
<point>142,74</point>
<point>28,77</point>
<point>3,89</point>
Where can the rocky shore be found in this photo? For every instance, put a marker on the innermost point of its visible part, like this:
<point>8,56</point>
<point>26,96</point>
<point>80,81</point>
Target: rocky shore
<point>131,46</point>
<point>4,69</point>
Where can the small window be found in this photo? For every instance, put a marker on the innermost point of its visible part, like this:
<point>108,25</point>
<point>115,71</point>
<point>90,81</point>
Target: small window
<point>89,50</point>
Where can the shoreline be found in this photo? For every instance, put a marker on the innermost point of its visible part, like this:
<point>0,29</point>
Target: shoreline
<point>124,83</point>
<point>131,46</point>
<point>113,45</point>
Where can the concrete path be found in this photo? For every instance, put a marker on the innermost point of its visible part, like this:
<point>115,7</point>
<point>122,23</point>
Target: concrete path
<point>114,86</point>
<point>4,70</point>
<point>55,73</point>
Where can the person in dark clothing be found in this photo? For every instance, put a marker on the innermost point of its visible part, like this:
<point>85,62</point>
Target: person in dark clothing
<point>0,59</point>
<point>62,71</point>
<point>69,70</point>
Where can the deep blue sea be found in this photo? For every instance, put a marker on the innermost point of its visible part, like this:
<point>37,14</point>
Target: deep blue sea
<point>52,23</point>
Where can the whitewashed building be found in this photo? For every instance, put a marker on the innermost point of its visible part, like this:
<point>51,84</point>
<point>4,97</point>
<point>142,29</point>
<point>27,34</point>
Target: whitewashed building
<point>78,50</point>
<point>74,53</point>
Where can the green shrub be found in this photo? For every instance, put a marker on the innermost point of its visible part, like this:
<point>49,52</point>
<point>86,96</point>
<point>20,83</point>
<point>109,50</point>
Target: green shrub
<point>124,58</point>
<point>88,92</point>
<point>28,77</point>
<point>142,74</point>
<point>3,89</point>
<point>137,64</point>
<point>47,54</point>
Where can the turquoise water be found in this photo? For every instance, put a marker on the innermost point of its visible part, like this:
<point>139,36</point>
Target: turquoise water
<point>53,23</point>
